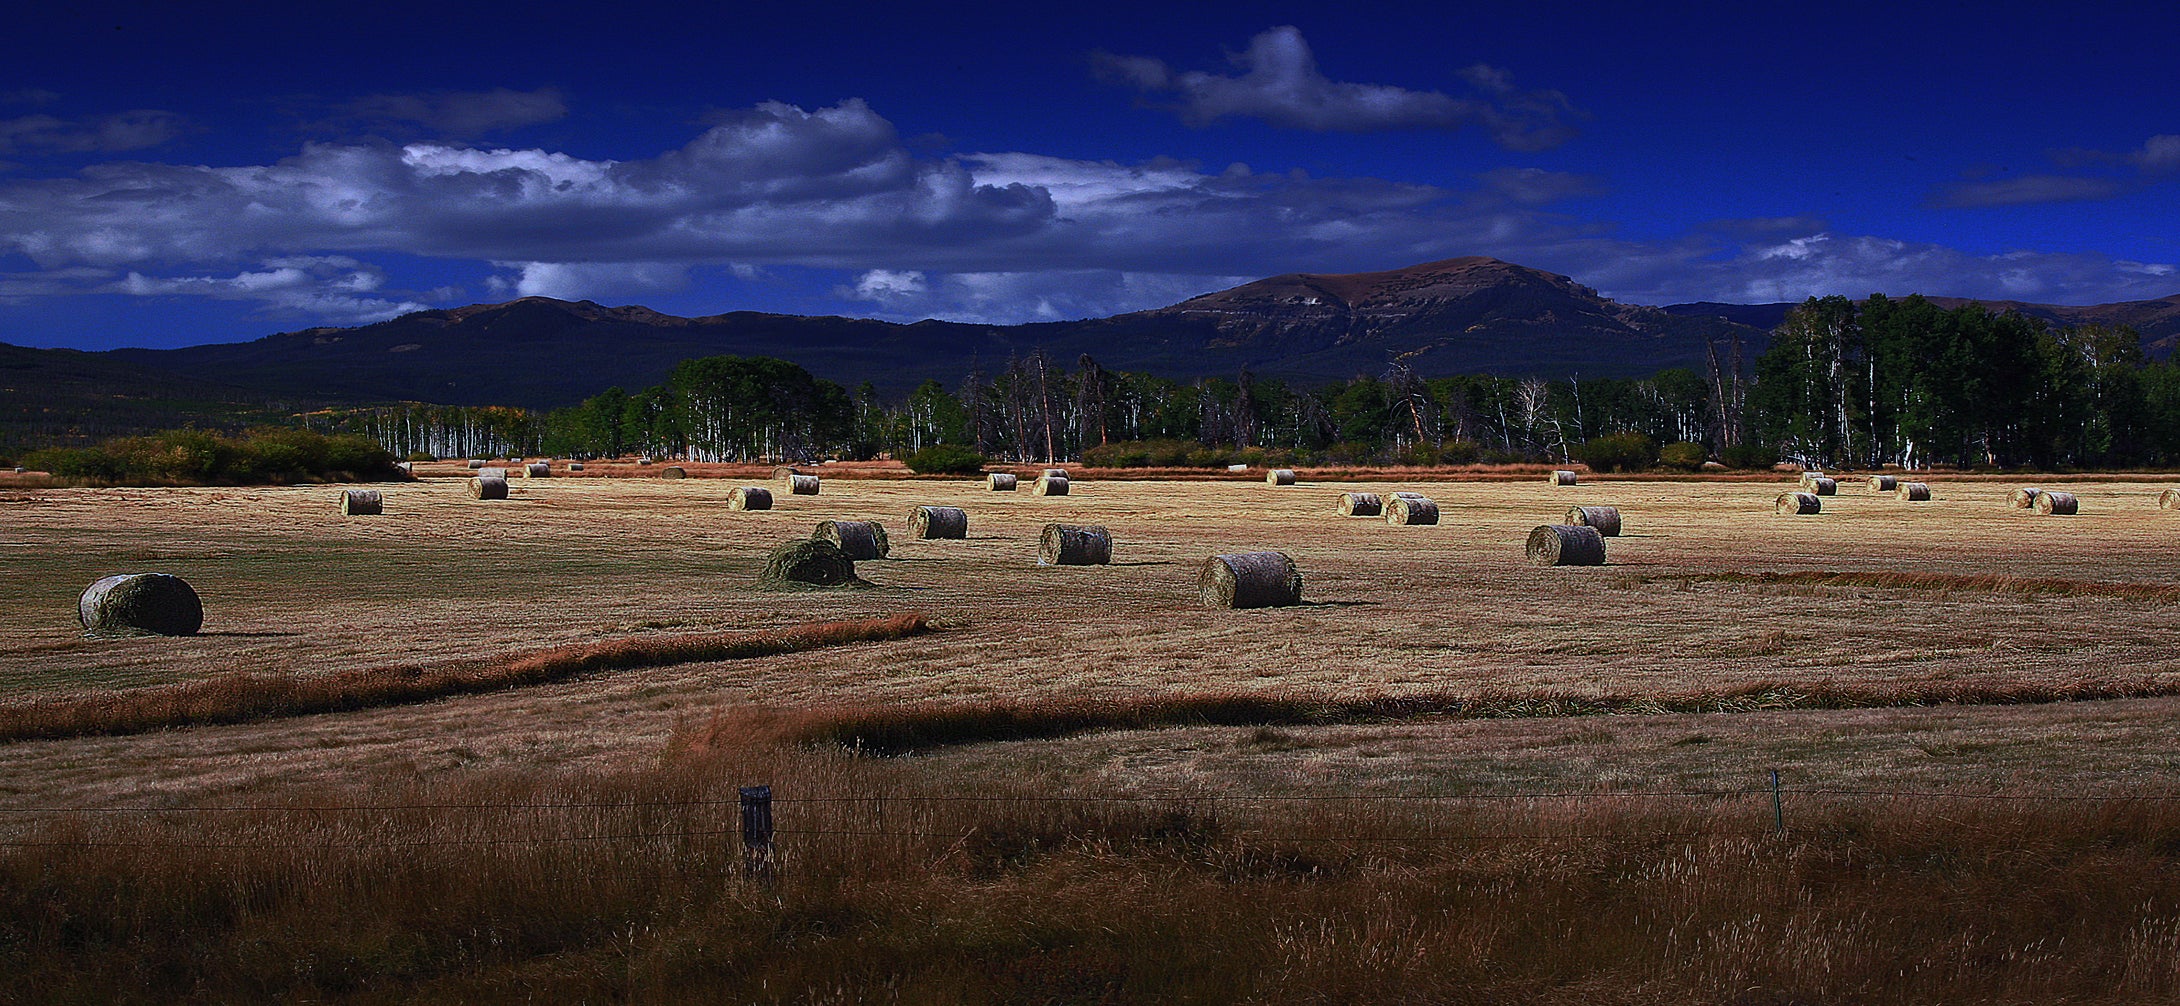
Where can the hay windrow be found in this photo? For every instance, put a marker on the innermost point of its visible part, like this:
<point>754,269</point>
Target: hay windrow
<point>1798,503</point>
<point>1913,492</point>
<point>1566,545</point>
<point>1250,580</point>
<point>750,498</point>
<point>2052,501</point>
<point>1074,545</point>
<point>485,488</point>
<point>1001,482</point>
<point>1604,518</point>
<point>1361,505</point>
<point>860,540</point>
<point>802,485</point>
<point>362,502</point>
<point>1279,477</point>
<point>1049,484</point>
<point>932,522</point>
<point>1408,510</point>
<point>140,604</point>
<point>813,562</point>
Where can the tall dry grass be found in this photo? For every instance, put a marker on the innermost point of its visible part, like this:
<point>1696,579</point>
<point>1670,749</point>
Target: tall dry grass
<point>897,886</point>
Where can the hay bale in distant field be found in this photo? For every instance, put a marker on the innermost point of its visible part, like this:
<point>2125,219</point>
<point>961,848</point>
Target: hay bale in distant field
<point>1884,483</point>
<point>1411,510</point>
<point>1605,519</point>
<point>928,522</point>
<point>406,468</point>
<point>1250,580</point>
<point>673,472</point>
<point>785,472</point>
<point>1361,505</point>
<point>1074,545</point>
<point>537,470</point>
<point>2167,500</point>
<point>1566,545</point>
<point>802,485</point>
<point>1798,503</point>
<point>1050,485</point>
<point>860,539</point>
<point>750,498</point>
<point>1001,482</point>
<point>1821,486</point>
<point>486,487</point>
<point>1807,479</point>
<point>575,466</point>
<point>492,473</point>
<point>1279,477</point>
<point>1561,477</point>
<point>815,562</point>
<point>474,463</point>
<point>644,461</point>
<point>1913,492</point>
<point>362,502</point>
<point>2023,499</point>
<point>1237,468</point>
<point>2051,501</point>
<point>140,604</point>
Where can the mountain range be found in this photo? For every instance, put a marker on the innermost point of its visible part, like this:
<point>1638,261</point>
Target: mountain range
<point>1461,315</point>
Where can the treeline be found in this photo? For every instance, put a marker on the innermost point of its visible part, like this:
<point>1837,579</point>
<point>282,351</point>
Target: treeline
<point>267,455</point>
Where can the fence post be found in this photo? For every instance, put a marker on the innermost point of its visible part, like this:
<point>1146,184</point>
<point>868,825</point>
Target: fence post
<point>757,853</point>
<point>1778,807</point>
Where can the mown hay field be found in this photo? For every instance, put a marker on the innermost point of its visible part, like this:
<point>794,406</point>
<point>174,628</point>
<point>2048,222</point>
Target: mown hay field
<point>1706,591</point>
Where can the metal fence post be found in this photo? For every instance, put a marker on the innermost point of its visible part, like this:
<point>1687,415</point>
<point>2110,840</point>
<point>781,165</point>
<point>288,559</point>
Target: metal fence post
<point>758,859</point>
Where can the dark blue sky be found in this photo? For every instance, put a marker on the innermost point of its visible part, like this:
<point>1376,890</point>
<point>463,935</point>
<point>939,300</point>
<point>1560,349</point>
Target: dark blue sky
<point>172,176</point>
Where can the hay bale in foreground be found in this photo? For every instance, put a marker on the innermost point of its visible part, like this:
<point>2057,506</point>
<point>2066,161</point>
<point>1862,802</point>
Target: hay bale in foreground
<point>1605,519</point>
<point>537,470</point>
<point>2051,501</point>
<point>2167,500</point>
<point>749,498</point>
<point>362,502</point>
<point>1884,483</point>
<point>1411,510</point>
<point>928,522</point>
<point>1279,477</point>
<point>1074,545</point>
<point>2023,499</point>
<point>1798,503</point>
<point>815,562</point>
<point>1049,484</point>
<point>140,604</point>
<point>1361,505</point>
<point>1913,492</point>
<point>1566,545</point>
<point>673,472</point>
<point>486,487</point>
<point>475,464</point>
<point>1561,477</point>
<point>859,539</point>
<point>1001,482</point>
<point>1250,580</point>
<point>1822,486</point>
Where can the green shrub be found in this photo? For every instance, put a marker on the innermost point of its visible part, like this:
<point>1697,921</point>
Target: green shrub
<point>1748,456</point>
<point>946,459</point>
<point>1618,452</point>
<point>421,456</point>
<point>1683,456</point>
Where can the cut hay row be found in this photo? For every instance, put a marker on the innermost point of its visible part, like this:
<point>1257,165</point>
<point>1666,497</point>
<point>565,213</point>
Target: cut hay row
<point>1074,545</point>
<point>750,498</point>
<point>361,502</point>
<point>1566,545</point>
<point>1250,580</point>
<point>1361,505</point>
<point>140,604</point>
<point>1604,518</point>
<point>934,522</point>
<point>858,539</point>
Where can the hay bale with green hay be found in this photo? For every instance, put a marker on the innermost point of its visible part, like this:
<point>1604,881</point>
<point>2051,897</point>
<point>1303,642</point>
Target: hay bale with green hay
<point>140,604</point>
<point>814,562</point>
<point>1250,580</point>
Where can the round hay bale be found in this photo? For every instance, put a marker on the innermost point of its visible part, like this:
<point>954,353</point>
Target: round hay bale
<point>1605,519</point>
<point>1237,468</point>
<point>1884,483</point>
<point>802,485</point>
<point>362,502</point>
<point>1250,580</point>
<point>1058,473</point>
<point>140,604</point>
<point>2052,501</point>
<point>860,539</point>
<point>673,472</point>
<point>815,562</point>
<point>784,472</point>
<point>1410,495</point>
<point>1001,482</point>
<point>487,488</point>
<point>2167,500</point>
<point>2023,499</point>
<point>928,522</point>
<point>750,498</point>
<point>1808,479</point>
<point>537,470</point>
<point>1798,503</point>
<point>1050,485</point>
<point>575,466</point>
<point>1361,505</point>
<point>1821,486</point>
<point>1566,545</point>
<point>475,464</point>
<point>1913,492</point>
<point>1074,545</point>
<point>1279,477</point>
<point>1562,477</point>
<point>1411,510</point>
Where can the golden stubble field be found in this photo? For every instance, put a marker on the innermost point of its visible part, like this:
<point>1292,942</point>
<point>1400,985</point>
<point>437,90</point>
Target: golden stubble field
<point>290,586</point>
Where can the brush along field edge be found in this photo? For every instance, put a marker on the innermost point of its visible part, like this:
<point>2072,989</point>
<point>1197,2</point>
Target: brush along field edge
<point>238,698</point>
